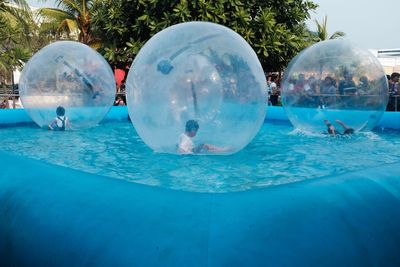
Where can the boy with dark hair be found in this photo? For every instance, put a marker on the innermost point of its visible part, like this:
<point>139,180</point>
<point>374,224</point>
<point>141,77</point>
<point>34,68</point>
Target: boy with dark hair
<point>186,145</point>
<point>332,131</point>
<point>60,122</point>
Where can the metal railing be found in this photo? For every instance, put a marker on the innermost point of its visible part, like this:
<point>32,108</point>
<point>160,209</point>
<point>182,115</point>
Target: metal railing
<point>14,101</point>
<point>393,103</point>
<point>315,100</point>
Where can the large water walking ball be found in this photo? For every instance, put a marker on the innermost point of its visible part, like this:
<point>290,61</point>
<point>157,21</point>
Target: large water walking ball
<point>202,72</point>
<point>334,82</point>
<point>70,75</point>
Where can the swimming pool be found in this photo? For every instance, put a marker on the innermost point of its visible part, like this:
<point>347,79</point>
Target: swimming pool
<point>277,155</point>
<point>51,215</point>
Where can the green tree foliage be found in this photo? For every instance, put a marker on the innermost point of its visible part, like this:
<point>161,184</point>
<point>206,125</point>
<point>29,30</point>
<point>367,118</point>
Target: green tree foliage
<point>15,20</point>
<point>274,28</point>
<point>72,17</point>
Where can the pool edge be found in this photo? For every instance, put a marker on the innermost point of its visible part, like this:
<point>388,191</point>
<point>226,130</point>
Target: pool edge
<point>55,216</point>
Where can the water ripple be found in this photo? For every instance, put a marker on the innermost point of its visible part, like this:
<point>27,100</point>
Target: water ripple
<point>277,155</point>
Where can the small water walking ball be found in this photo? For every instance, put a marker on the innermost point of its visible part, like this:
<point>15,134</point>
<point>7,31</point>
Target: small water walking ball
<point>196,73</point>
<point>334,83</point>
<point>69,75</point>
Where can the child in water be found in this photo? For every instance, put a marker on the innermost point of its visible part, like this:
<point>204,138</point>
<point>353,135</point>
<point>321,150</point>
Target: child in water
<point>332,131</point>
<point>61,122</point>
<point>186,145</point>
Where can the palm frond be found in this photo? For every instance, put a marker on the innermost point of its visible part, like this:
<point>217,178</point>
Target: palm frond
<point>18,12</point>
<point>337,34</point>
<point>47,28</point>
<point>322,30</point>
<point>71,16</point>
<point>55,14</point>
<point>73,6</point>
<point>14,4</point>
<point>68,25</point>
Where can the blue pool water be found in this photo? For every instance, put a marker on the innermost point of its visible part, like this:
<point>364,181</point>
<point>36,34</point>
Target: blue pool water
<point>277,155</point>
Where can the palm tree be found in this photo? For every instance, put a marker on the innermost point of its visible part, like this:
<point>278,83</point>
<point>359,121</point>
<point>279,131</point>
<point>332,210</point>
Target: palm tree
<point>15,21</point>
<point>15,12</point>
<point>15,24</point>
<point>13,7</point>
<point>72,16</point>
<point>322,31</point>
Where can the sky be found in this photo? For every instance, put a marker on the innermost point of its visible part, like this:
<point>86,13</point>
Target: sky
<point>41,3</point>
<point>370,24</point>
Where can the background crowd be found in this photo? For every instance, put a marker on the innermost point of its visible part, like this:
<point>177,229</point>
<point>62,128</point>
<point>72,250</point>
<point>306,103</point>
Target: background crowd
<point>310,87</point>
<point>328,88</point>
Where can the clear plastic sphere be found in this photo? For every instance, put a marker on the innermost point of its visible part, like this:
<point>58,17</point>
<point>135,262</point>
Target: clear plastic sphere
<point>70,75</point>
<point>334,83</point>
<point>197,71</point>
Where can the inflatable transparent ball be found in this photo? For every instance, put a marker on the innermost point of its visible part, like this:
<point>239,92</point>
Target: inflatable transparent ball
<point>70,75</point>
<point>334,83</point>
<point>202,72</point>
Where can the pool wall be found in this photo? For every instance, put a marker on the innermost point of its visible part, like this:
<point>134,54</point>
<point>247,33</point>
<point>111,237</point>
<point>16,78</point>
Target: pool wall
<point>9,117</point>
<point>55,216</point>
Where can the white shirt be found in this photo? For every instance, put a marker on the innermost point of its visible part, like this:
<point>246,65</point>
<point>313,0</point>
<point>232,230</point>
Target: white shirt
<point>185,145</point>
<point>59,121</point>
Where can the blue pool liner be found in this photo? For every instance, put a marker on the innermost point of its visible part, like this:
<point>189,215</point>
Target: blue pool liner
<point>10,117</point>
<point>56,216</point>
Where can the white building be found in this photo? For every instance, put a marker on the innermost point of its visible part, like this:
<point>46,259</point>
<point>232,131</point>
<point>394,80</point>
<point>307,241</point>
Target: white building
<point>389,58</point>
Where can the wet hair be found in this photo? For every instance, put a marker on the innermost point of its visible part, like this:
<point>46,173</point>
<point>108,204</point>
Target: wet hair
<point>394,75</point>
<point>60,111</point>
<point>191,125</point>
